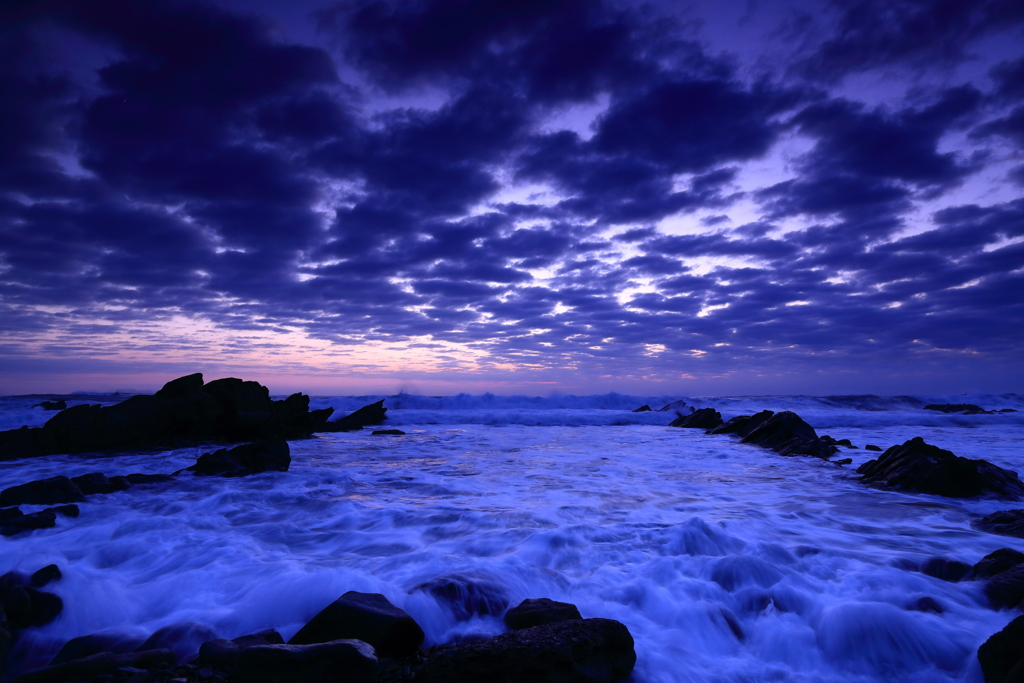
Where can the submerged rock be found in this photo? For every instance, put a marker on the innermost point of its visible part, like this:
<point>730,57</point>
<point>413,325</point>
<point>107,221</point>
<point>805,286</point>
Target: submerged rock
<point>241,461</point>
<point>369,617</point>
<point>538,612</point>
<point>703,418</point>
<point>467,595</point>
<point>368,415</point>
<point>946,569</point>
<point>1004,522</point>
<point>922,468</point>
<point>1002,655</point>
<point>573,651</point>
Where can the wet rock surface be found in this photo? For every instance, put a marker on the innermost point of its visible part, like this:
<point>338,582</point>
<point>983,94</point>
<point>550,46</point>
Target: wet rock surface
<point>241,461</point>
<point>538,612</point>
<point>368,415</point>
<point>1004,522</point>
<point>467,595</point>
<point>1002,655</point>
<point>922,468</point>
<point>965,408</point>
<point>338,661</point>
<point>369,617</point>
<point>703,418</point>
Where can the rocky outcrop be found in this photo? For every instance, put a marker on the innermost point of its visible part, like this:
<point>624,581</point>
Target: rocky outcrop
<point>965,408</point>
<point>23,605</point>
<point>538,612</point>
<point>1002,657</point>
<point>922,468</point>
<point>368,415</point>
<point>369,617</point>
<point>643,409</point>
<point>1004,522</point>
<point>946,569</point>
<point>787,434</point>
<point>742,425</point>
<point>702,418</point>
<point>572,651</point>
<point>337,661</point>
<point>241,461</point>
<point>184,412</point>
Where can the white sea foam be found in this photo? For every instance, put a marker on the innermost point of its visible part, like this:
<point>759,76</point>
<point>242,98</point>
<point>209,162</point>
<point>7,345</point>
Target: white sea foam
<point>727,562</point>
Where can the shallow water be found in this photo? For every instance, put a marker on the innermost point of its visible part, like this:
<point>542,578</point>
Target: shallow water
<point>727,562</point>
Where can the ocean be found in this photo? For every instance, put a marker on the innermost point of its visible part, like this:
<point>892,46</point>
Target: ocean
<point>727,562</point>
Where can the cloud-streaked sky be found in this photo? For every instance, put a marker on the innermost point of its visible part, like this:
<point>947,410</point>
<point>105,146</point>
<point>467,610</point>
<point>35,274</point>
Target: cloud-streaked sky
<point>768,196</point>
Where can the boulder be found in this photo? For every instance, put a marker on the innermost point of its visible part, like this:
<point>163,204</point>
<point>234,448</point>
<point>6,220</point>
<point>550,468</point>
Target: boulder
<point>94,644</point>
<point>872,447</point>
<point>922,468</point>
<point>241,461</point>
<point>369,617</point>
<point>573,651</point>
<point>104,664</point>
<point>37,520</point>
<point>59,404</point>
<point>44,606</point>
<point>926,604</point>
<point>220,653</point>
<point>742,424</point>
<point>538,612</point>
<point>1002,656</point>
<point>1006,589</point>
<point>372,414</point>
<point>52,491</point>
<point>183,639</point>
<point>643,409</point>
<point>467,595</point>
<point>945,569</point>
<point>337,661</point>
<point>24,605</point>
<point>965,408</point>
<point>1005,522</point>
<point>703,418</point>
<point>184,412</point>
<point>787,434</point>
<point>96,482</point>
<point>997,562</point>
<point>46,575</point>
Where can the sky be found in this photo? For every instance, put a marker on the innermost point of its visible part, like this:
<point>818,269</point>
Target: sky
<point>514,196</point>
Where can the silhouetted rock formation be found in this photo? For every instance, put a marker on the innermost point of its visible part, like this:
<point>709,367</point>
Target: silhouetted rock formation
<point>369,617</point>
<point>923,468</point>
<point>241,461</point>
<point>368,415</point>
<point>786,433</point>
<point>643,409</point>
<point>1005,522</point>
<point>184,412</point>
<point>52,405</point>
<point>1002,657</point>
<point>467,595</point>
<point>965,408</point>
<point>703,418</point>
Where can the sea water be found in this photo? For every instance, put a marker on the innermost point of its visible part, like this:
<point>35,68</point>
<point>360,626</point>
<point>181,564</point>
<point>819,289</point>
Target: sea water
<point>726,562</point>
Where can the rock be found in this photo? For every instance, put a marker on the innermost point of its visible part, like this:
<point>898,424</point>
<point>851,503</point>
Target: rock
<point>1002,657</point>
<point>468,595</point>
<point>136,479</point>
<point>372,414</point>
<point>998,562</point>
<point>787,434</point>
<point>60,404</point>
<point>337,661</point>
<point>538,612</point>
<point>965,408</point>
<point>266,637</point>
<point>15,602</point>
<point>220,653</point>
<point>872,447</point>
<point>742,424</point>
<point>389,432</point>
<point>364,616</point>
<point>643,409</point>
<point>704,418</point>
<point>104,664</point>
<point>1005,522</point>
<point>184,411</point>
<point>574,651</point>
<point>1007,410</point>
<point>923,468</point>
<point>926,604</point>
<point>1006,589</point>
<point>47,574</point>
<point>37,520</point>
<point>183,639</point>
<point>52,491</point>
<point>94,644</point>
<point>96,482</point>
<point>10,513</point>
<point>945,569</point>
<point>843,461</point>
<point>241,461</point>
<point>65,510</point>
<point>674,405</point>
<point>5,640</point>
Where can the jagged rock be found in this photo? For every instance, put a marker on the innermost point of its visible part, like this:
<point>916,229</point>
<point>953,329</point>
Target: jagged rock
<point>337,661</point>
<point>538,612</point>
<point>1001,656</point>
<point>643,409</point>
<point>388,432</point>
<point>467,595</point>
<point>787,434</point>
<point>1006,589</point>
<point>923,468</point>
<point>872,447</point>
<point>220,653</point>
<point>241,461</point>
<point>574,651</point>
<point>674,405</point>
<point>1005,522</point>
<point>104,664</point>
<point>369,617</point>
<point>965,408</point>
<point>183,412</point>
<point>945,569</point>
<point>703,418</point>
<point>52,491</point>
<point>742,424</point>
<point>94,644</point>
<point>997,562</point>
<point>60,404</point>
<point>97,482</point>
<point>372,414</point>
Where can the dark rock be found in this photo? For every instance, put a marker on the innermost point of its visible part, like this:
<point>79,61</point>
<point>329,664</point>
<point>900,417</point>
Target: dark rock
<point>643,409</point>
<point>468,595</point>
<point>1006,410</point>
<point>50,572</point>
<point>372,414</point>
<point>220,653</point>
<point>183,639</point>
<point>266,637</point>
<point>388,432</point>
<point>15,602</point>
<point>94,644</point>
<point>998,562</point>
<point>872,447</point>
<point>843,461</point>
<point>52,405</point>
<point>52,491</point>
<point>945,569</point>
<point>136,479</point>
<point>36,520</point>
<point>926,604</point>
<point>44,607</point>
<point>965,408</point>
<point>923,468</point>
<point>364,616</point>
<point>183,411</point>
<point>733,623</point>
<point>574,651</point>
<point>704,418</point>
<point>845,442</point>
<point>337,661</point>
<point>540,611</point>
<point>241,461</point>
<point>1004,522</point>
<point>104,664</point>
<point>674,405</point>
<point>9,513</point>
<point>743,424</point>
<point>1006,589</point>
<point>97,482</point>
<point>787,434</point>
<point>1002,656</point>
<point>65,510</point>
